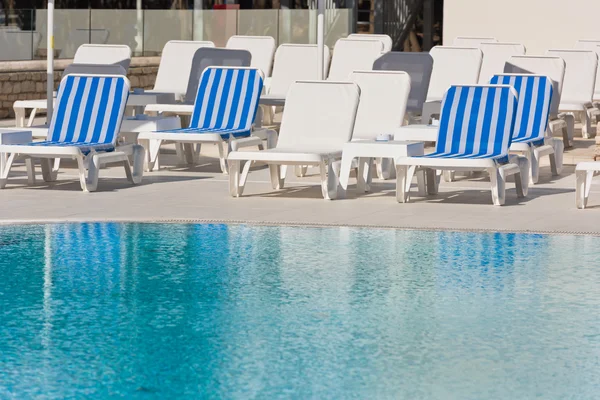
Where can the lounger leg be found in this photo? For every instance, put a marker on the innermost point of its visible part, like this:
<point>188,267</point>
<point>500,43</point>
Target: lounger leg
<point>300,170</point>
<point>385,168</point>
<point>522,178</point>
<point>363,174</point>
<point>234,178</point>
<point>30,165</point>
<point>498,186</point>
<point>570,133</point>
<point>277,173</point>
<point>583,185</point>
<point>135,177</point>
<point>534,161</point>
<point>404,176</point>
<point>19,117</point>
<point>433,180</point>
<point>586,125</point>
<point>223,152</point>
<point>329,180</point>
<point>6,170</point>
<point>32,117</point>
<point>449,176</point>
<point>188,149</point>
<point>421,182</point>
<point>49,173</point>
<point>152,149</point>
<point>556,159</point>
<point>91,183</point>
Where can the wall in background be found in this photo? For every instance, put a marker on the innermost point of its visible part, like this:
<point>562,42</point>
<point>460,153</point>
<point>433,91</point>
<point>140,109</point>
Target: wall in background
<point>538,24</point>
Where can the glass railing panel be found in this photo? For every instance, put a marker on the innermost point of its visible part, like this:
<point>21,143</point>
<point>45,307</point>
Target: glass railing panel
<point>215,25</point>
<point>18,40</point>
<point>297,26</point>
<point>71,29</point>
<point>258,23</point>
<point>160,26</point>
<point>115,27</point>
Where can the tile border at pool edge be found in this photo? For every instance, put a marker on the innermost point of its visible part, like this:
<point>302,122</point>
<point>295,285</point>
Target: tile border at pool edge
<point>289,224</point>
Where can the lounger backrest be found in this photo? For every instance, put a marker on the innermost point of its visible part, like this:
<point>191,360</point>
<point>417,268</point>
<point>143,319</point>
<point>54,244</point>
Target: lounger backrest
<point>318,115</point>
<point>94,69</point>
<point>495,55</point>
<point>452,66</point>
<point>386,41</point>
<point>593,45</point>
<point>552,67</point>
<point>262,49</point>
<point>472,41</point>
<point>383,99</point>
<point>89,109</point>
<point>418,66</point>
<point>108,54</point>
<point>533,109</point>
<point>353,55</point>
<point>227,98</point>
<point>213,57</point>
<point>580,75</point>
<point>176,64</point>
<point>295,62</point>
<point>477,121</point>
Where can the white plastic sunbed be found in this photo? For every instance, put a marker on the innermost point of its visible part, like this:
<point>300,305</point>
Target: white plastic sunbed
<point>386,40</point>
<point>97,54</point>
<point>293,62</point>
<point>262,49</point>
<point>495,56</point>
<point>383,103</point>
<point>578,85</point>
<point>593,45</point>
<point>451,66</point>
<point>472,41</point>
<point>84,128</point>
<point>317,121</point>
<point>173,73</point>
<point>553,68</point>
<point>476,126</point>
<point>353,55</point>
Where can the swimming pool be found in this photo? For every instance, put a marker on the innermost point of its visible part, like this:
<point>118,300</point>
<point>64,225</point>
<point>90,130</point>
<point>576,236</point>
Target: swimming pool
<point>234,311</point>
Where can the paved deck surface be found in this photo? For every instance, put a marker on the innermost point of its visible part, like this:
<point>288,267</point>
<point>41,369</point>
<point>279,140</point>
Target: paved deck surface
<point>200,193</point>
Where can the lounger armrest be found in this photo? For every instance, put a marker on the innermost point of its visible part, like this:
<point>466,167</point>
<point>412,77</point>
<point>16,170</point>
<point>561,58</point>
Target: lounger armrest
<point>180,109</point>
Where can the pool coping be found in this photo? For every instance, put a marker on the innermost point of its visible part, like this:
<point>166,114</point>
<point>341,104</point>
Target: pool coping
<point>186,221</point>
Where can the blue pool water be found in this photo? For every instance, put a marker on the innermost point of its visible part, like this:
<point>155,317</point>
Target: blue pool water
<point>213,311</point>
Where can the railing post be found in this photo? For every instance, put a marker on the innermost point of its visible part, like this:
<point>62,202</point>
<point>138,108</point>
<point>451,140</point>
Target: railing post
<point>428,21</point>
<point>378,26</point>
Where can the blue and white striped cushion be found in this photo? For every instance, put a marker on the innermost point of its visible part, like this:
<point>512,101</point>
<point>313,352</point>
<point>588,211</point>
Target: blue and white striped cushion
<point>89,110</point>
<point>226,102</point>
<point>476,122</point>
<point>533,110</point>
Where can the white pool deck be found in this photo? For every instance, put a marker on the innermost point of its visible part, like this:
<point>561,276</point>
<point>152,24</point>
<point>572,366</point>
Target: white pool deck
<point>200,194</point>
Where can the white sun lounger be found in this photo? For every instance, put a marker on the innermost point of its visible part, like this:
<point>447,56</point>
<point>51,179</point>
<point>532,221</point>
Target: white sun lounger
<point>476,125</point>
<point>553,68</point>
<point>451,66</point>
<point>593,45</point>
<point>84,128</point>
<point>495,56</point>
<point>578,85</point>
<point>472,41</point>
<point>87,54</point>
<point>353,55</point>
<point>173,73</point>
<point>317,121</point>
<point>262,49</point>
<point>386,40</point>
<point>293,62</point>
<point>383,102</point>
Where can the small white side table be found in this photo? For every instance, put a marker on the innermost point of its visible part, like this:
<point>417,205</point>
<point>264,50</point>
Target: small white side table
<point>11,136</point>
<point>132,126</point>
<point>367,150</point>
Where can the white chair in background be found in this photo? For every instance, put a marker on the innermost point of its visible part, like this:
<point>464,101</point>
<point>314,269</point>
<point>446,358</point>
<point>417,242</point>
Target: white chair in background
<point>317,121</point>
<point>451,66</point>
<point>386,40</point>
<point>353,55</point>
<point>578,86</point>
<point>593,45</point>
<point>472,41</point>
<point>495,56</point>
<point>262,49</point>
<point>553,68</point>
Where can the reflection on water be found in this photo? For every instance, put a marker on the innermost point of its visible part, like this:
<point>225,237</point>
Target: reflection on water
<point>166,311</point>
